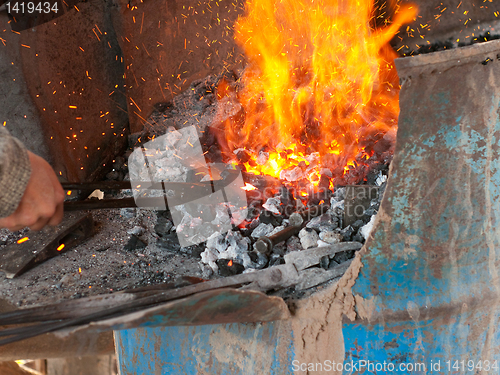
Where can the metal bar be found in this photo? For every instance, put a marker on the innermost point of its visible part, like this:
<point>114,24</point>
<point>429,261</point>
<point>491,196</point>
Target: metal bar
<point>101,204</point>
<point>39,246</point>
<point>265,244</point>
<point>126,185</point>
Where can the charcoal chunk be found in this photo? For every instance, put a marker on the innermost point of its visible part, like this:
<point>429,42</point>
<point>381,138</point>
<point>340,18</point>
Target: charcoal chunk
<point>324,262</point>
<point>357,224</point>
<point>259,260</point>
<point>341,257</point>
<point>276,260</point>
<point>347,233</point>
<point>134,243</point>
<point>170,242</point>
<point>229,267</point>
<point>267,217</point>
<point>163,223</point>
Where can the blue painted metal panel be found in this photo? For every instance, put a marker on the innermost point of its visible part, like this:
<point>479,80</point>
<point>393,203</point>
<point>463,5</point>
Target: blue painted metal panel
<point>230,349</point>
<point>431,265</point>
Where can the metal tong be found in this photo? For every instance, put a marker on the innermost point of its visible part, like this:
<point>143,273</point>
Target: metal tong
<point>181,192</point>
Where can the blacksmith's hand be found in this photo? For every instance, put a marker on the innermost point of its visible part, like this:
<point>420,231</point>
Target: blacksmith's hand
<point>42,202</point>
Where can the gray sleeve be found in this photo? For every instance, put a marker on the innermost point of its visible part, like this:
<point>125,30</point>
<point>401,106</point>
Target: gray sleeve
<point>15,171</point>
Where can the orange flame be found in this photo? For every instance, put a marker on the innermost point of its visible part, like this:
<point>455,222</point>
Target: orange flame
<point>319,87</point>
<point>230,263</point>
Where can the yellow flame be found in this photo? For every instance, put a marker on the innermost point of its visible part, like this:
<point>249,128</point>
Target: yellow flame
<point>319,79</point>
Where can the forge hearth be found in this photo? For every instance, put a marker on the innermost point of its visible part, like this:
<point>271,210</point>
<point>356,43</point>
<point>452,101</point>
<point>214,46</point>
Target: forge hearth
<point>298,240</point>
<point>149,245</point>
<point>136,247</point>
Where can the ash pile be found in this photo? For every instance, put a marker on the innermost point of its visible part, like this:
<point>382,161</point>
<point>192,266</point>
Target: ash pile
<point>278,217</point>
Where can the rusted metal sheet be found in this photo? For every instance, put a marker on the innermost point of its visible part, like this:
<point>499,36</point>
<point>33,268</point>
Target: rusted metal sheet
<point>210,307</point>
<point>428,284</point>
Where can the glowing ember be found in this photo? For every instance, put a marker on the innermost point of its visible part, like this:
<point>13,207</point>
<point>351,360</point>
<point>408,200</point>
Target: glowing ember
<point>248,187</point>
<point>60,247</point>
<point>230,263</point>
<point>319,91</point>
<point>24,239</point>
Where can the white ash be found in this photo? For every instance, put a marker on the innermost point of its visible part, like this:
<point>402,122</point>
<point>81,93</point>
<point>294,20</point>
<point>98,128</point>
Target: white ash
<point>322,243</point>
<point>365,230</point>
<point>293,244</point>
<point>308,238</point>
<point>325,222</point>
<point>237,241</point>
<point>136,231</point>
<point>326,229</point>
<point>208,258</point>
<point>313,157</point>
<point>279,228</point>
<point>380,179</point>
<point>221,215</point>
<point>292,175</point>
<point>232,246</point>
<point>326,172</point>
<point>262,158</point>
<point>217,241</point>
<point>330,237</point>
<point>334,203</point>
<point>273,204</point>
<point>262,230</point>
<point>296,219</point>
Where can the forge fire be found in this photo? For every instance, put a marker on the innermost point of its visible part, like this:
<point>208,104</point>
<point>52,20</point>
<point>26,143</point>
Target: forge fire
<point>313,110</point>
<point>319,95</point>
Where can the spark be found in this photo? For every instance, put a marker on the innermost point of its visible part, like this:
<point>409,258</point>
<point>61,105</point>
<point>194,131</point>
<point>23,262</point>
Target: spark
<point>24,239</point>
